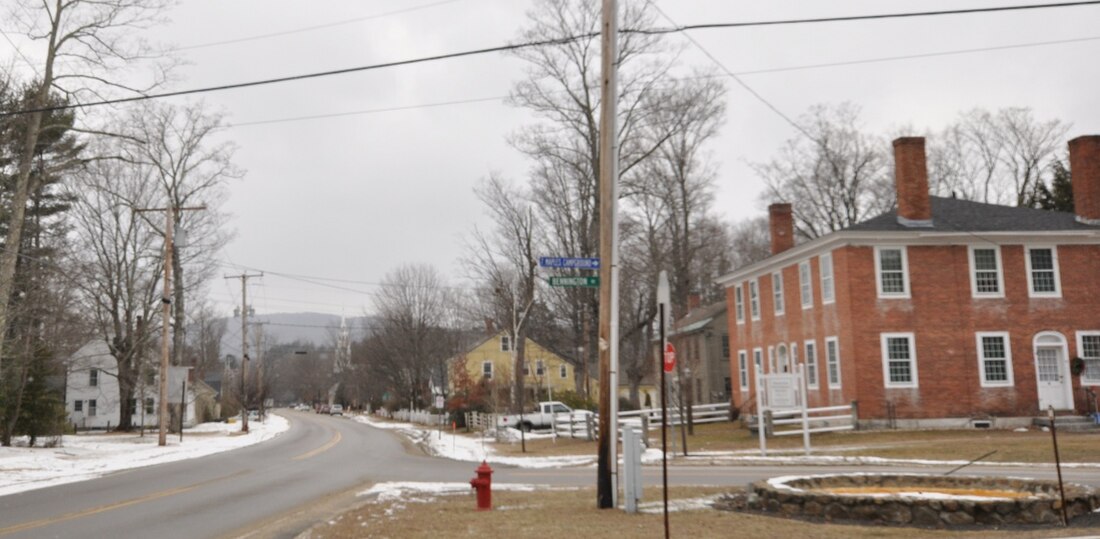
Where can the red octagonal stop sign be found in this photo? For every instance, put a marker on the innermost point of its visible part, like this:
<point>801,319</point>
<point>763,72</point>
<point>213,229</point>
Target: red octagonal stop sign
<point>670,357</point>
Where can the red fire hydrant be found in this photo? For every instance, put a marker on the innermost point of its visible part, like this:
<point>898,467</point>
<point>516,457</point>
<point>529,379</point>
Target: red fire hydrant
<point>483,483</point>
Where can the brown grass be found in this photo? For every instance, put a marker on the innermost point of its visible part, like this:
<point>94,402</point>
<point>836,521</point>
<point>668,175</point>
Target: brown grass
<point>1032,446</point>
<point>572,513</point>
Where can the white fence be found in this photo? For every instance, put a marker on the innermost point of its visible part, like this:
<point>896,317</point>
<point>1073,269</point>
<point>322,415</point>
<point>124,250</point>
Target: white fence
<point>421,417</point>
<point>783,411</point>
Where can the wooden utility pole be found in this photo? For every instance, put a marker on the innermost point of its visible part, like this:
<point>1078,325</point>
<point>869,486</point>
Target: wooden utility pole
<point>244,344</point>
<point>166,305</point>
<point>608,189</point>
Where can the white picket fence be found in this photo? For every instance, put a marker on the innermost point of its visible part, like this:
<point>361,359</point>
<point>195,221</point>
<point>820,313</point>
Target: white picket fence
<point>420,417</point>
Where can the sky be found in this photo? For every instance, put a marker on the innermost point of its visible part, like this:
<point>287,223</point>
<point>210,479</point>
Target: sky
<point>387,177</point>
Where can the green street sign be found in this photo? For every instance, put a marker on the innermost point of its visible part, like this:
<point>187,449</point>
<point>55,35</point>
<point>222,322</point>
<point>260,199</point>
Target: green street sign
<point>574,281</point>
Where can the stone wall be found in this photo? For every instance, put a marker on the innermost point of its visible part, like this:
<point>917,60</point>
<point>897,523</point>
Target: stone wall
<point>806,497</point>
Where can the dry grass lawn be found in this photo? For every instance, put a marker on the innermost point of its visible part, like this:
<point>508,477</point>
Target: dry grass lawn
<point>1032,446</point>
<point>572,513</point>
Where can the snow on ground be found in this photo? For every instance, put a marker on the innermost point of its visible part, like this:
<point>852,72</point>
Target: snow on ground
<point>689,504</point>
<point>87,456</point>
<point>464,448</point>
<point>476,449</point>
<point>400,490</point>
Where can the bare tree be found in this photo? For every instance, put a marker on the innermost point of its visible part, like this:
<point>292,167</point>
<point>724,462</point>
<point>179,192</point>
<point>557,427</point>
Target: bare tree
<point>119,266</point>
<point>88,43</point>
<point>1000,157</point>
<point>412,307</point>
<point>508,256</point>
<point>750,241</point>
<point>839,175</point>
<point>191,168</point>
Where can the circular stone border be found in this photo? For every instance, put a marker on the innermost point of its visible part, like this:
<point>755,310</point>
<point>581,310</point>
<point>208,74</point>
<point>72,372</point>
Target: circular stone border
<point>799,496</point>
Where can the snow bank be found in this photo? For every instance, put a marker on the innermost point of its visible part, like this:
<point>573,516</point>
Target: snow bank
<point>87,456</point>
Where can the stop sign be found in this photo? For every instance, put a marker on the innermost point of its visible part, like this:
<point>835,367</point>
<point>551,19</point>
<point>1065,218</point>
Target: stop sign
<point>670,357</point>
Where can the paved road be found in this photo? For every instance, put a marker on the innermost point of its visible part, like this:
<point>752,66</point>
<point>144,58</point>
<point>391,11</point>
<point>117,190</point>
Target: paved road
<point>276,488</point>
<point>280,487</point>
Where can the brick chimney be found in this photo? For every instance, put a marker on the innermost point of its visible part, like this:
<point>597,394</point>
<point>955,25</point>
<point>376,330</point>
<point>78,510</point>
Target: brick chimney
<point>911,175</point>
<point>781,223</point>
<point>694,301</point>
<point>1084,165</point>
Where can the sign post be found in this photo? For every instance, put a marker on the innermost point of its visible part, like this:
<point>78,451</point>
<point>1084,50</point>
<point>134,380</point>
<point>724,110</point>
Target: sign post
<point>663,299</point>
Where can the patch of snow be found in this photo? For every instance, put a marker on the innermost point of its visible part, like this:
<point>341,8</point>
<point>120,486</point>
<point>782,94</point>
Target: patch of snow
<point>87,456</point>
<point>780,483</point>
<point>1020,429</point>
<point>690,504</point>
<point>399,490</point>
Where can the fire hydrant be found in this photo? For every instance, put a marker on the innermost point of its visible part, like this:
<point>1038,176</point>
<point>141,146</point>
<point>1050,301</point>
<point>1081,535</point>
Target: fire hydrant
<point>483,483</point>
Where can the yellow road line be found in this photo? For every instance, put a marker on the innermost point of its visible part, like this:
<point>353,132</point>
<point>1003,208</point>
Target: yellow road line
<point>336,437</point>
<point>109,507</point>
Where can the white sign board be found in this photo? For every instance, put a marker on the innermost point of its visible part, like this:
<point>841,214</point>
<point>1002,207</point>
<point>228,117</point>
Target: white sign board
<point>439,403</point>
<point>782,392</point>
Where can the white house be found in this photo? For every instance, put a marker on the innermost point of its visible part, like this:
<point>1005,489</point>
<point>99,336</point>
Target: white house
<point>91,390</point>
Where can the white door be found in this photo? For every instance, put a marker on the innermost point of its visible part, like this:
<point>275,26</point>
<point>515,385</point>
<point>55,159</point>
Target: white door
<point>1054,382</point>
<point>784,362</point>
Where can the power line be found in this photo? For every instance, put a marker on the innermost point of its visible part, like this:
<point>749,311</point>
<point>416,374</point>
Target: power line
<point>802,67</point>
<point>312,28</point>
<point>538,43</point>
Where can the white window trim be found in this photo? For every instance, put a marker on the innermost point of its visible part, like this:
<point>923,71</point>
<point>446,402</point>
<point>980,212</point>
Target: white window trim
<point>771,359</point>
<point>491,369</point>
<point>904,272</point>
<point>981,358</point>
<point>1080,353</point>
<point>974,273</point>
<point>743,369</point>
<point>806,299</point>
<point>812,383</point>
<point>886,360</point>
<point>1057,277</point>
<point>832,278</point>
<point>505,343</point>
<point>754,307</point>
<point>839,376</point>
<point>739,302</point>
<point>563,371</point>
<point>777,292</point>
<point>757,360</point>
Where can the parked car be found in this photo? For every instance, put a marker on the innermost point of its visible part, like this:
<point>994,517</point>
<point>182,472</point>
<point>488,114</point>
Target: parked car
<point>336,409</point>
<point>542,417</point>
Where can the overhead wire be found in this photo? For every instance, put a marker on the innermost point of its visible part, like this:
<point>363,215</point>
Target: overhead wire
<point>537,43</point>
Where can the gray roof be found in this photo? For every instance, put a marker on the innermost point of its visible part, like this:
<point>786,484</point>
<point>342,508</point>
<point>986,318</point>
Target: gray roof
<point>950,215</point>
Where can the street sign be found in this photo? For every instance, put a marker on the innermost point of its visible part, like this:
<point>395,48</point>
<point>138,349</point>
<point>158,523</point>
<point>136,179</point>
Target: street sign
<point>439,402</point>
<point>670,357</point>
<point>571,263</point>
<point>574,281</point>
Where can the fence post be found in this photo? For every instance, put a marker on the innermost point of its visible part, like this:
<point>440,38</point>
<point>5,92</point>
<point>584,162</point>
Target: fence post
<point>572,426</point>
<point>855,415</point>
<point>645,430</point>
<point>588,426</point>
<point>769,427</point>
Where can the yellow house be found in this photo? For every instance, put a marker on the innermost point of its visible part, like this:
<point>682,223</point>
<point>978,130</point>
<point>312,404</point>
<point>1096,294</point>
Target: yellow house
<point>492,359</point>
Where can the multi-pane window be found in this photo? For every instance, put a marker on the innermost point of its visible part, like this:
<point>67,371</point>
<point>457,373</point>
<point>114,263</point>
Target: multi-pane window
<point>805,285</point>
<point>891,272</point>
<point>93,377</point>
<point>564,372</point>
<point>828,294</point>
<point>777,291</point>
<point>725,347</point>
<point>78,406</point>
<point>148,405</point>
<point>743,369</point>
<point>1042,267</point>
<point>986,271</point>
<point>487,369</point>
<point>811,364</point>
<point>758,360</point>
<point>832,362</point>
<point>739,303</point>
<point>91,407</point>
<point>539,368</point>
<point>899,360</point>
<point>995,359</point>
<point>1088,347</point>
<point>505,343</point>
<point>754,300</point>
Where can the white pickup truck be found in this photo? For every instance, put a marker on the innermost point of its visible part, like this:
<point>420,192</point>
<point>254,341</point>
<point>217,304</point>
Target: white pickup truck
<point>542,417</point>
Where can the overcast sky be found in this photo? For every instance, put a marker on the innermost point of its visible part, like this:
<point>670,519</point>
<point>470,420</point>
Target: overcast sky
<point>353,196</point>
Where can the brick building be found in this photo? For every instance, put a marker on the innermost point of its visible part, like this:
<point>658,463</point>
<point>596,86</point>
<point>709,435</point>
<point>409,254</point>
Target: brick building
<point>941,312</point>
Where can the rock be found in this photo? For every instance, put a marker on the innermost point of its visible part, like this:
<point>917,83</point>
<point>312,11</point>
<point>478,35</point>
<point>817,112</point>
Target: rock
<point>956,518</point>
<point>896,513</point>
<point>813,509</point>
<point>835,511</point>
<point>926,517</point>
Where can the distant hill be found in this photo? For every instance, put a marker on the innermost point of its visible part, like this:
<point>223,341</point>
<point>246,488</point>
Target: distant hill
<point>284,328</point>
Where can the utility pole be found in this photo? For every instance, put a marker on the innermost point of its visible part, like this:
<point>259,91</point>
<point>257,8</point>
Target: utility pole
<point>244,277</point>
<point>607,462</point>
<point>166,304</point>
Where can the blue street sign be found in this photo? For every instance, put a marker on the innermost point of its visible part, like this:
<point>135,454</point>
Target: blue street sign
<point>573,263</point>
